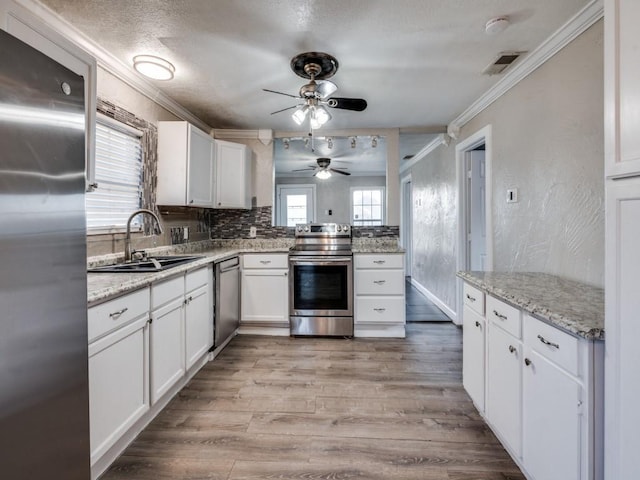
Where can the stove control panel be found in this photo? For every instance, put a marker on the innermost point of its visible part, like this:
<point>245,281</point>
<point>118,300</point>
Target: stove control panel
<point>323,230</point>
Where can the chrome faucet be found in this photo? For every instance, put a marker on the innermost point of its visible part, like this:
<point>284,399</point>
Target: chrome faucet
<point>127,238</point>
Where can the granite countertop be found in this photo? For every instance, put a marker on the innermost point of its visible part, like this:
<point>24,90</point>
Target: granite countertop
<point>571,306</point>
<point>104,286</point>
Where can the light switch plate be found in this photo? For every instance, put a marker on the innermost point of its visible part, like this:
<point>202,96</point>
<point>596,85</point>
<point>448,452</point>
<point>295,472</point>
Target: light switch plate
<point>512,195</point>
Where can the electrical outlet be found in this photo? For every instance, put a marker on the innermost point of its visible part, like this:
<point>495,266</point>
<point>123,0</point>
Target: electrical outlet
<point>252,232</point>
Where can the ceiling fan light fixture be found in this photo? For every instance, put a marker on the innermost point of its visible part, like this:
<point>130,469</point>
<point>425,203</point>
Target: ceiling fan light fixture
<point>319,116</point>
<point>154,67</point>
<point>323,174</point>
<point>300,114</point>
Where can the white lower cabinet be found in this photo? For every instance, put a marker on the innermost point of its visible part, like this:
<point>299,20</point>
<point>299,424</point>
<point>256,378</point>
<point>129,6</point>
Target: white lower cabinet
<point>198,315</point>
<point>551,421</point>
<point>264,298</point>
<point>379,295</point>
<point>143,346</point>
<point>118,376</point>
<point>167,347</point>
<point>541,391</point>
<point>504,386</point>
<point>473,358</point>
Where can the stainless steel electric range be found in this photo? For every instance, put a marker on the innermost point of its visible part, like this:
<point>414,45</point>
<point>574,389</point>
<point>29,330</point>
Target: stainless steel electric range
<point>321,281</point>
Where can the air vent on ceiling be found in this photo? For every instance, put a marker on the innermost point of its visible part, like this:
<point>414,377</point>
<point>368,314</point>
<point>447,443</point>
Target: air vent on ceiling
<point>502,62</point>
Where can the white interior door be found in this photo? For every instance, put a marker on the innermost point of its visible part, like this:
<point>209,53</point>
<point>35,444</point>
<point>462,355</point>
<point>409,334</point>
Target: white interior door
<point>476,232</point>
<point>296,204</point>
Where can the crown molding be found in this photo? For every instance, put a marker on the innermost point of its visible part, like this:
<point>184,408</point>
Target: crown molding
<point>223,133</point>
<point>442,139</point>
<point>580,22</point>
<point>109,62</point>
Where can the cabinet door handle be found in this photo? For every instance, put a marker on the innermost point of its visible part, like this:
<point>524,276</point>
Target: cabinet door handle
<point>188,300</point>
<point>379,282</point>
<point>379,262</point>
<point>380,310</point>
<point>499,315</point>
<point>117,314</point>
<point>512,349</point>
<point>547,342</point>
<point>477,324</point>
<point>527,362</point>
<point>265,262</point>
<point>471,298</point>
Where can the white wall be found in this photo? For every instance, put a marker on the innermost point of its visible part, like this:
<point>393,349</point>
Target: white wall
<point>548,142</point>
<point>334,194</point>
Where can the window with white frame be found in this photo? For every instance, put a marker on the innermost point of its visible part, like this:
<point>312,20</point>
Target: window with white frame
<point>118,174</point>
<point>367,206</point>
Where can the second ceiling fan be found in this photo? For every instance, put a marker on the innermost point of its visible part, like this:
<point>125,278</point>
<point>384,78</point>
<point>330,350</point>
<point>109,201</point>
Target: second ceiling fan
<point>315,96</point>
<point>323,170</point>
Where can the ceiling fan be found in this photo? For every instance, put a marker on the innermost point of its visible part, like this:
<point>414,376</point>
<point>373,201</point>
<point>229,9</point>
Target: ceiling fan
<point>316,95</point>
<point>322,170</point>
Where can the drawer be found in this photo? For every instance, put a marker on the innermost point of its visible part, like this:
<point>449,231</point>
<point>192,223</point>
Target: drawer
<point>559,347</point>
<point>379,282</point>
<point>367,260</point>
<point>473,298</point>
<point>504,315</point>
<point>166,290</point>
<point>380,310</point>
<point>265,260</point>
<point>109,316</point>
<point>197,278</point>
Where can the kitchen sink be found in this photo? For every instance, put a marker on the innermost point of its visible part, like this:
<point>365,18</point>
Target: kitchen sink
<point>150,264</point>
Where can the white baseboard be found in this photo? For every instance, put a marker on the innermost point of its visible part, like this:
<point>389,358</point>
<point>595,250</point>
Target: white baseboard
<point>439,303</point>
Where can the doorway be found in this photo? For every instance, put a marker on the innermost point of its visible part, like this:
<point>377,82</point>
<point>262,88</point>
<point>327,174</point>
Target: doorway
<point>406,216</point>
<point>475,226</point>
<point>295,204</point>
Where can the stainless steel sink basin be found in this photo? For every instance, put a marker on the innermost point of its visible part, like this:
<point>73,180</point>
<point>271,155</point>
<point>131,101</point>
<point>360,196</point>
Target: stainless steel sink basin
<point>151,264</point>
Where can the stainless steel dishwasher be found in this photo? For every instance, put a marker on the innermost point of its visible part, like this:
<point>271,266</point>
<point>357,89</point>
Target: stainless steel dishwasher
<point>227,302</point>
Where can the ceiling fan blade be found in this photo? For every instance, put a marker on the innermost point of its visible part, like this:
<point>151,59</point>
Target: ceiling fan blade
<point>280,93</point>
<point>304,169</point>
<point>339,171</point>
<point>283,110</point>
<point>325,88</point>
<point>355,104</point>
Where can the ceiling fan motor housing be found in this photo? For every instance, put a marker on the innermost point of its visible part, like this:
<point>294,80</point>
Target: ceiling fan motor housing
<point>314,65</point>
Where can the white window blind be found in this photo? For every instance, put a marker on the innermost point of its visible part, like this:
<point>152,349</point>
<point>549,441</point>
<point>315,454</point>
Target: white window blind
<point>118,173</point>
<point>367,206</point>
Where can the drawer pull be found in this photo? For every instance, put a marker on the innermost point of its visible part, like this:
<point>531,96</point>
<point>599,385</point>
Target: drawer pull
<point>547,342</point>
<point>499,315</point>
<point>512,349</point>
<point>471,298</point>
<point>527,362</point>
<point>116,315</point>
<point>188,300</point>
<point>380,310</point>
<point>379,262</point>
<point>379,282</point>
<point>477,324</point>
<point>265,262</point>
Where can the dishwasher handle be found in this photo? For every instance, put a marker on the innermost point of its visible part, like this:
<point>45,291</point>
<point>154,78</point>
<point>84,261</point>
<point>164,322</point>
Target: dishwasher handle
<point>227,265</point>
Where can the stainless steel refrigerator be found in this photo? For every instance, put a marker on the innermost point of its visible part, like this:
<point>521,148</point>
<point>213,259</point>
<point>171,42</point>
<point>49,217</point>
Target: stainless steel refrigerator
<point>44,399</point>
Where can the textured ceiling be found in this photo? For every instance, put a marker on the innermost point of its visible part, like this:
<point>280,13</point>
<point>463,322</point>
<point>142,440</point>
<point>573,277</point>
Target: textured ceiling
<point>418,63</point>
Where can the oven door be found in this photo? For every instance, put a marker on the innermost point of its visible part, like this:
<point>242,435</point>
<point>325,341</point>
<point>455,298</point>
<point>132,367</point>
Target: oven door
<point>321,286</point>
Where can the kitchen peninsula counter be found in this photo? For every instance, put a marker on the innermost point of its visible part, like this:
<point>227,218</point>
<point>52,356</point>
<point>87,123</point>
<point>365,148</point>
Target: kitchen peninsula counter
<point>571,306</point>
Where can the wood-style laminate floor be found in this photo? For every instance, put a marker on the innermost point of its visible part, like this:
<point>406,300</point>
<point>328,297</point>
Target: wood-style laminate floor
<point>419,308</point>
<point>317,408</point>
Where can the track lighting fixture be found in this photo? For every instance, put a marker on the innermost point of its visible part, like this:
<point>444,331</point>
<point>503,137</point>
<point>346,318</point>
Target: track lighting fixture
<point>353,142</point>
<point>285,143</point>
<point>374,141</point>
<point>329,143</point>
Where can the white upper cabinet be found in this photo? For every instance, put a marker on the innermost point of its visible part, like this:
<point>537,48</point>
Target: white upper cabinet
<point>185,165</point>
<point>622,91</point>
<point>233,175</point>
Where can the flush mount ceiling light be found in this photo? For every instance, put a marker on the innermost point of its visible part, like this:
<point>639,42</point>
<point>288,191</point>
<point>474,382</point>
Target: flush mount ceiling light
<point>154,67</point>
<point>496,25</point>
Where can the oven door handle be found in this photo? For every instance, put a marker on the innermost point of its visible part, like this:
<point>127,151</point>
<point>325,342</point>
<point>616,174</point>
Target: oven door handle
<point>319,260</point>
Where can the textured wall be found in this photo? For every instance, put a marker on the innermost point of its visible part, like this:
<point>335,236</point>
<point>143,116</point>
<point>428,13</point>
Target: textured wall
<point>434,191</point>
<point>548,142</point>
